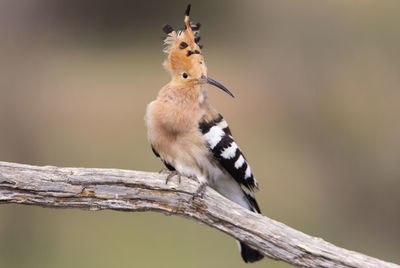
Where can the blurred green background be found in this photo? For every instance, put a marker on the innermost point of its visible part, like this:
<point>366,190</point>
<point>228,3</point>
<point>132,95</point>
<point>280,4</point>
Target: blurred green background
<point>316,113</point>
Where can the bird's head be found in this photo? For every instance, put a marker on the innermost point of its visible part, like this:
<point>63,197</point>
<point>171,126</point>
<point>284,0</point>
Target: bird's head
<point>185,61</point>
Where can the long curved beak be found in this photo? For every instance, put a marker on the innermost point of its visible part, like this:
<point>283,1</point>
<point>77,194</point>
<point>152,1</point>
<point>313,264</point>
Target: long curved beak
<point>211,81</point>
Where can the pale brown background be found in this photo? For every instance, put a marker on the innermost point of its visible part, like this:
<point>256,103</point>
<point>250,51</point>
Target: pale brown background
<point>316,113</point>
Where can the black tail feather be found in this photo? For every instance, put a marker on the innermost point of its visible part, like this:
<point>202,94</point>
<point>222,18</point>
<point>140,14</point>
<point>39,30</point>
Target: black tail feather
<point>249,254</point>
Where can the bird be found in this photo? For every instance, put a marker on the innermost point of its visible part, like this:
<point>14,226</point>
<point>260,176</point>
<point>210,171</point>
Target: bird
<point>189,135</point>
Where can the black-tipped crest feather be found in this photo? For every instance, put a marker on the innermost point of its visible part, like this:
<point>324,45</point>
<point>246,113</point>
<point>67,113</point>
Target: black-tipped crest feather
<point>187,11</point>
<point>167,28</point>
<point>195,27</point>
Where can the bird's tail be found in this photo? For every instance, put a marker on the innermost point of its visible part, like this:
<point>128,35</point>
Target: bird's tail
<point>249,254</point>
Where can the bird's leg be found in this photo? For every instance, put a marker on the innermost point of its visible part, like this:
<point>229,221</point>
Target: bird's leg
<point>164,170</point>
<point>171,174</point>
<point>200,191</point>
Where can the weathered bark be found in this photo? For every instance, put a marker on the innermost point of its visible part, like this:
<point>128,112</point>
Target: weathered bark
<point>95,189</point>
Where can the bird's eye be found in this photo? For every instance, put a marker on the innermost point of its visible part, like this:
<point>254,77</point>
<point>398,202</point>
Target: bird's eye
<point>185,75</point>
<point>183,45</point>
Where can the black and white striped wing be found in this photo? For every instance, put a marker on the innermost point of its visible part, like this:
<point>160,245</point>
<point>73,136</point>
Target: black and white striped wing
<point>220,142</point>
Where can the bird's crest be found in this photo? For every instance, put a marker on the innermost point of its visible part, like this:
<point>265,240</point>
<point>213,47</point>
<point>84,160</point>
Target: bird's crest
<point>182,46</point>
<point>185,61</point>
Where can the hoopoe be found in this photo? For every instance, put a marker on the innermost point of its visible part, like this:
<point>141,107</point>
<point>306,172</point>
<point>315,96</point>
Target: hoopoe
<point>189,136</point>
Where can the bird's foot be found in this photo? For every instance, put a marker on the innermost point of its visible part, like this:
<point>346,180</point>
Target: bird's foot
<point>171,174</point>
<point>194,178</point>
<point>200,191</point>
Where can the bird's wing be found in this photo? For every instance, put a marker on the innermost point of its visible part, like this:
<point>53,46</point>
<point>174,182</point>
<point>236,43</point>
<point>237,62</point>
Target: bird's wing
<point>220,142</point>
<point>168,165</point>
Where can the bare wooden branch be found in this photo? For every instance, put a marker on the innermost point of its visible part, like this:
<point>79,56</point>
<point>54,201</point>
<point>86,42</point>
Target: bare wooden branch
<point>96,189</point>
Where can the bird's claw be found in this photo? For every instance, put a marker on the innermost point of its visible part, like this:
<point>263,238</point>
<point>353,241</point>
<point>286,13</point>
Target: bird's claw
<point>172,174</point>
<point>200,191</point>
